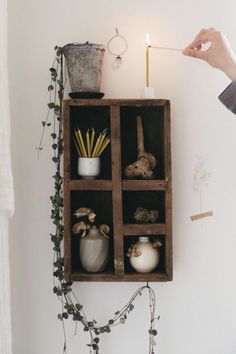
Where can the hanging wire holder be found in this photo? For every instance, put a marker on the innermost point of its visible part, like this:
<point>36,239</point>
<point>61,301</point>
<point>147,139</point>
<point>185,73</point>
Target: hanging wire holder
<point>118,55</point>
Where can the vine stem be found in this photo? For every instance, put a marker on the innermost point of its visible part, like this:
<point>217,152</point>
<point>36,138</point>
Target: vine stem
<point>39,147</point>
<point>63,289</point>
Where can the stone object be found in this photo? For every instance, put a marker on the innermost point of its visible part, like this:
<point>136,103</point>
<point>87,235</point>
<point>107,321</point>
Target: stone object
<point>145,164</point>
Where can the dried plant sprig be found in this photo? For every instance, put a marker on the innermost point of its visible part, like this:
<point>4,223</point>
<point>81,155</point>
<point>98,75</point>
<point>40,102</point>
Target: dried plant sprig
<point>133,251</point>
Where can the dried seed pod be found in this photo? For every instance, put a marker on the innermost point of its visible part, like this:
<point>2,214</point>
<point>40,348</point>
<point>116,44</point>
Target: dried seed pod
<point>104,229</point>
<point>81,226</point>
<point>133,251</point>
<point>91,216</point>
<point>153,215</point>
<point>157,244</point>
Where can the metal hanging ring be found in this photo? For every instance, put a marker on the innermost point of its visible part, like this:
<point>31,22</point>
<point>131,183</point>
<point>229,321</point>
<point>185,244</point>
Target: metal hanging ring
<point>117,55</point>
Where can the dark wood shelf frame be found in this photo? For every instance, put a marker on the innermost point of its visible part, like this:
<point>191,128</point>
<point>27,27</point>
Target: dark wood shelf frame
<point>118,111</point>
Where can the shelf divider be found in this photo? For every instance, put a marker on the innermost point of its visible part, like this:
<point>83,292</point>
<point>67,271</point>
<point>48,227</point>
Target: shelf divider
<point>117,191</point>
<point>135,277</point>
<point>144,229</point>
<point>168,200</point>
<point>143,185</point>
<point>93,185</point>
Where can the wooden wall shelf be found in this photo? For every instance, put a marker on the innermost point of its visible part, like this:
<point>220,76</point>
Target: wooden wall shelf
<point>112,195</point>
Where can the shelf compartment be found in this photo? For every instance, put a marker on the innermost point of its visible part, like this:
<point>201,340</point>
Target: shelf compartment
<point>161,267</point>
<point>129,185</point>
<point>154,136</point>
<point>92,185</point>
<point>101,203</point>
<point>144,229</point>
<point>86,117</point>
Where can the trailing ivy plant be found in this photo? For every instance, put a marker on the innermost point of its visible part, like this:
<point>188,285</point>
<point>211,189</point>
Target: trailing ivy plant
<point>70,305</point>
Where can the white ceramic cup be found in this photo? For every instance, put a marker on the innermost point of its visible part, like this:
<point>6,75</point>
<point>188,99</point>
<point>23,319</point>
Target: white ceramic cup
<point>88,167</point>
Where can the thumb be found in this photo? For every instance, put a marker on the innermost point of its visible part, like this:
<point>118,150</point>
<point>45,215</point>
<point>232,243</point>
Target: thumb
<point>199,54</point>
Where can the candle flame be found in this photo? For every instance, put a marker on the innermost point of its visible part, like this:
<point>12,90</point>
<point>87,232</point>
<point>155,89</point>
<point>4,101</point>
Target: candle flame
<point>147,40</point>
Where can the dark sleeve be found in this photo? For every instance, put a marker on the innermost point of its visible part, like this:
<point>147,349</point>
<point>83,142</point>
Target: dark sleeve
<point>228,97</point>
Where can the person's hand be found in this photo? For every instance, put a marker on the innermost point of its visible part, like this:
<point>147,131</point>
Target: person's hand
<point>218,54</point>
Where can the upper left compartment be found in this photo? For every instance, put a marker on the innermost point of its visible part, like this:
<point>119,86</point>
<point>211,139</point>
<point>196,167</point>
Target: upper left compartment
<point>88,118</point>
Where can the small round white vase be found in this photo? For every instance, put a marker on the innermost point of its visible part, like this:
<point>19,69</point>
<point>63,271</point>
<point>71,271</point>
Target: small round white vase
<point>88,167</point>
<point>149,258</point>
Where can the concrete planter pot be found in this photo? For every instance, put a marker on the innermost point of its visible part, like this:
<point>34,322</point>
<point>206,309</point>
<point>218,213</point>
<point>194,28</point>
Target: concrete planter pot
<point>84,63</point>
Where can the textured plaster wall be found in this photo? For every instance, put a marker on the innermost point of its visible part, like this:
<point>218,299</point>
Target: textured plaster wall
<point>198,309</point>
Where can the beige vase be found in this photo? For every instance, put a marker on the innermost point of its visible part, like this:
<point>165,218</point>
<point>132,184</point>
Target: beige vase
<point>94,251</point>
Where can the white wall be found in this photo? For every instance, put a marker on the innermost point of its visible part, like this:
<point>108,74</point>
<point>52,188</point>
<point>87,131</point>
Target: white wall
<point>198,309</point>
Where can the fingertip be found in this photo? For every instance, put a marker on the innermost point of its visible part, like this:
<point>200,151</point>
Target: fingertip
<point>186,51</point>
<point>191,53</point>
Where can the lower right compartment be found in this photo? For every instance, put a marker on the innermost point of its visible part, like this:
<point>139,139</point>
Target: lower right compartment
<point>145,254</point>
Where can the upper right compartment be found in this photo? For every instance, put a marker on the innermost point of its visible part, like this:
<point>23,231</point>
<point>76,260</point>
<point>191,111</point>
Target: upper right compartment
<point>145,141</point>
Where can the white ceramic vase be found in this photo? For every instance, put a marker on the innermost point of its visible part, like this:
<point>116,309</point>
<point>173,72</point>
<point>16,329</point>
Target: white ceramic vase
<point>88,167</point>
<point>149,258</point>
<point>94,251</point>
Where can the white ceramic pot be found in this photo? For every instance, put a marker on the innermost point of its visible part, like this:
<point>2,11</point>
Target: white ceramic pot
<point>149,257</point>
<point>89,167</point>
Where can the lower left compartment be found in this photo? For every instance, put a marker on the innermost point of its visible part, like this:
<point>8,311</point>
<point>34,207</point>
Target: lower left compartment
<point>92,243</point>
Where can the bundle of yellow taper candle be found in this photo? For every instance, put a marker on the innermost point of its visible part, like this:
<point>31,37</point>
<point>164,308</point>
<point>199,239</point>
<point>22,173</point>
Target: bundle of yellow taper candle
<point>91,145</point>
